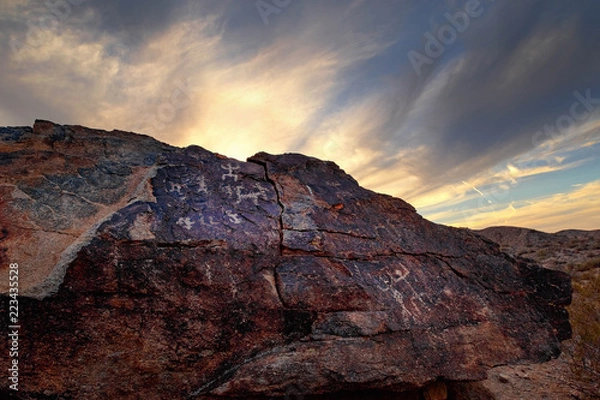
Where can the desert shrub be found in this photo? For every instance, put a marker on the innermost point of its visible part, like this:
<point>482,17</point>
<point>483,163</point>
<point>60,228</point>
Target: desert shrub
<point>589,265</point>
<point>585,320</point>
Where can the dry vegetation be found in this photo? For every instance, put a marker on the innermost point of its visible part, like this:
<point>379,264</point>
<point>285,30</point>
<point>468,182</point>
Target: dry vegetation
<point>584,349</point>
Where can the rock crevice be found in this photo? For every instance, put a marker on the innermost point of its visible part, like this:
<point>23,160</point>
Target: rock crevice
<point>281,205</point>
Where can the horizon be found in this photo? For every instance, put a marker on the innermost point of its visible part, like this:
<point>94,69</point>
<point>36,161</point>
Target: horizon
<point>478,113</point>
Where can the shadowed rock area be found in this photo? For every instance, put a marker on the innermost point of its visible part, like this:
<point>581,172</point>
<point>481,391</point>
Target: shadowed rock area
<point>149,271</point>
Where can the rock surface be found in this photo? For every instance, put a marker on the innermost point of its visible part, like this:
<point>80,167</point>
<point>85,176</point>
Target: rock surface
<point>149,271</point>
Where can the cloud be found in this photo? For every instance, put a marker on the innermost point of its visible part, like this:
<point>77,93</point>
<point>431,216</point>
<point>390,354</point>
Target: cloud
<point>492,192</point>
<point>241,100</point>
<point>497,88</point>
<point>331,79</point>
<point>499,179</point>
<point>102,83</point>
<point>578,209</point>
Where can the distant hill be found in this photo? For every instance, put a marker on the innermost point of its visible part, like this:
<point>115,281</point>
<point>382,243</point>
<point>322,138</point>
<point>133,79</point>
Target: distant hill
<point>562,250</point>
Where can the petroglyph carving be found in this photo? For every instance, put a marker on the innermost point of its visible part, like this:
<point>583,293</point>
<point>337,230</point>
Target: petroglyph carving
<point>398,286</point>
<point>233,217</point>
<point>254,195</point>
<point>227,189</point>
<point>201,182</point>
<point>175,188</point>
<point>185,222</point>
<point>202,219</point>
<point>230,174</point>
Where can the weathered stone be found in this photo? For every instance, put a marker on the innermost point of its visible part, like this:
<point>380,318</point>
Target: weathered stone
<point>150,271</point>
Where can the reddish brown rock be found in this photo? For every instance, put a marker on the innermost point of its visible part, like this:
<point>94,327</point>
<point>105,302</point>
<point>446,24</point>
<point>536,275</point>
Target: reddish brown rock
<point>149,271</point>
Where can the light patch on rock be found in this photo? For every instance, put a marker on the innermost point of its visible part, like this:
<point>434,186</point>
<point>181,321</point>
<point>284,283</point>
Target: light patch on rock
<point>141,228</point>
<point>19,194</point>
<point>185,223</point>
<point>51,283</point>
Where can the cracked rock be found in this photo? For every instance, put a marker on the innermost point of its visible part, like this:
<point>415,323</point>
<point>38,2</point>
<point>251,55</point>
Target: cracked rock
<point>150,271</point>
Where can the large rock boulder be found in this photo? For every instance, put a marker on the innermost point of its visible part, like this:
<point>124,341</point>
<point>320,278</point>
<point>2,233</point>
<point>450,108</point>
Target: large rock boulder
<point>149,271</point>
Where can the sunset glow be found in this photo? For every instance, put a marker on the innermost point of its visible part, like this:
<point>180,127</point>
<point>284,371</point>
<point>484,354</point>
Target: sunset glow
<point>494,121</point>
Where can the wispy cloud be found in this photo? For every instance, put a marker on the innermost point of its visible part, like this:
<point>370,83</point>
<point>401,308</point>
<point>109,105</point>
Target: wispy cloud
<point>578,209</point>
<point>330,79</point>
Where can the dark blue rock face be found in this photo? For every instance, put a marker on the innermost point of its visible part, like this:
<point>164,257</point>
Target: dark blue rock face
<point>200,197</point>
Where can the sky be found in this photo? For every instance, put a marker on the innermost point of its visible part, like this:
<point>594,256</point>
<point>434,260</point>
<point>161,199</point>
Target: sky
<point>477,112</point>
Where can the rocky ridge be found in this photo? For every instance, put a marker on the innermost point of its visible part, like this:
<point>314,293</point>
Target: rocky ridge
<point>158,272</point>
<point>560,251</point>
